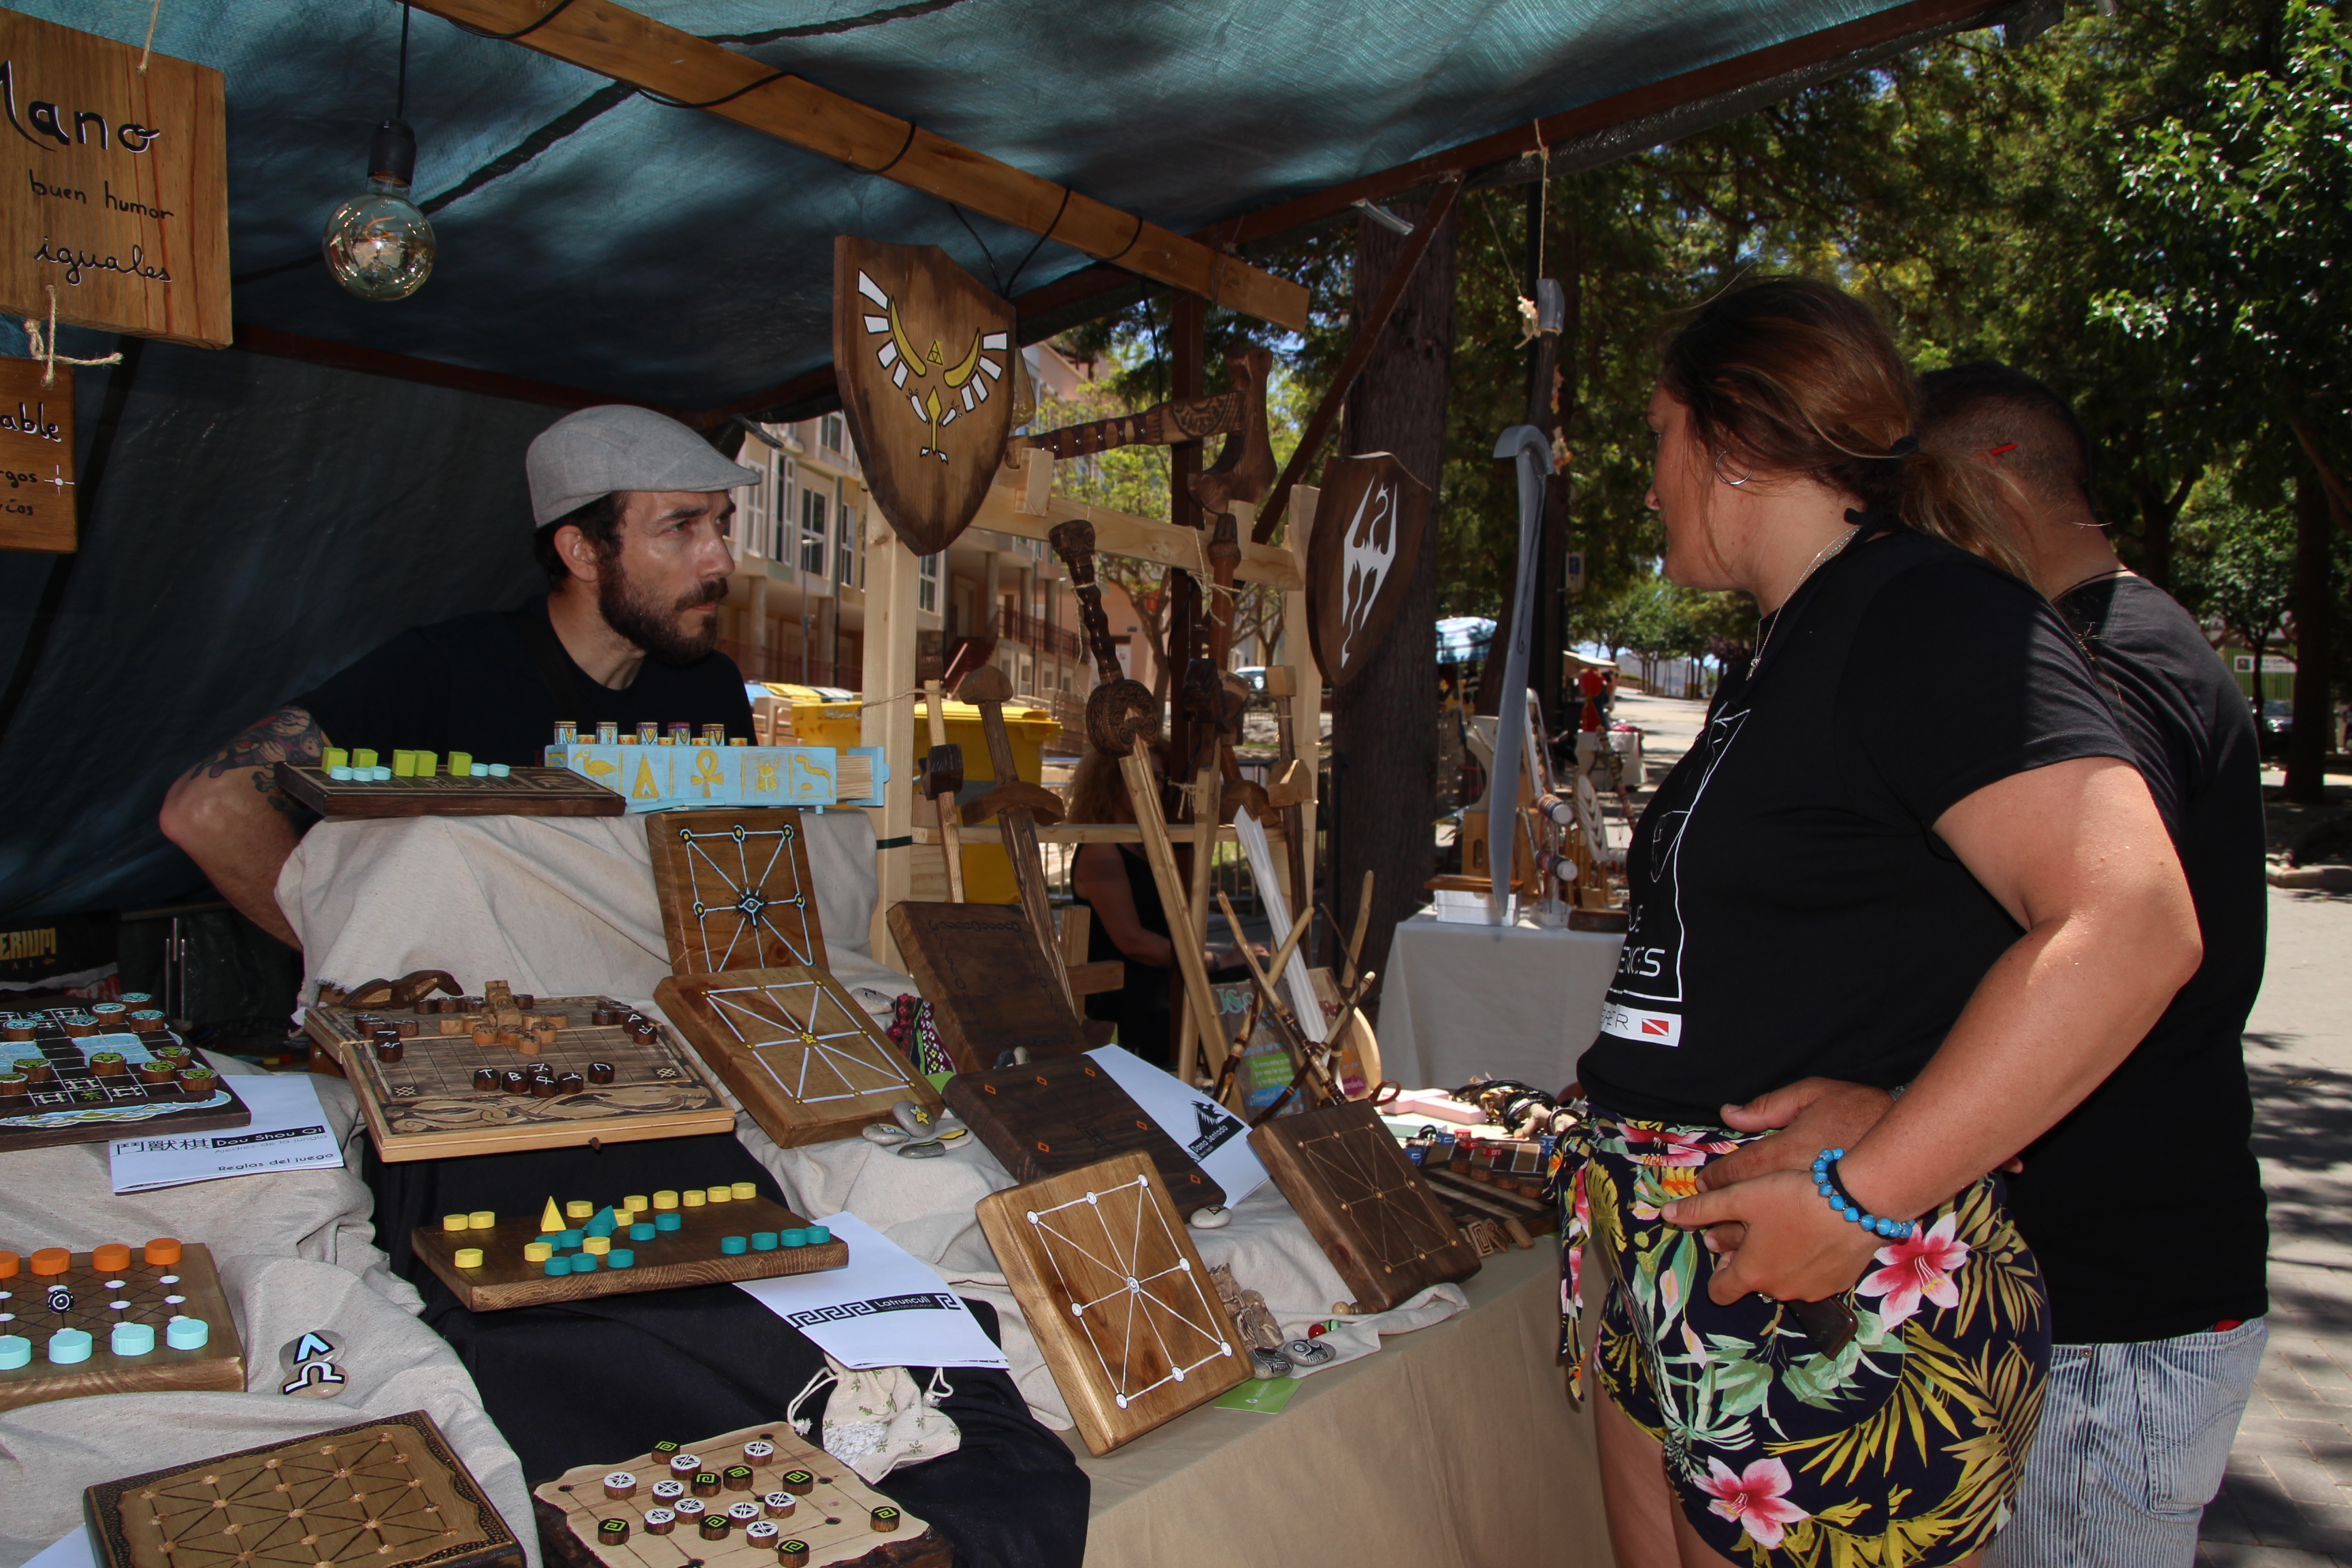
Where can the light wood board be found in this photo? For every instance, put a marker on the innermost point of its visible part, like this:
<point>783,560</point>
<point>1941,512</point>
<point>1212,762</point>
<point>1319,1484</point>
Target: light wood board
<point>36,457</point>
<point>524,792</point>
<point>735,889</point>
<point>1363,1203</point>
<point>1044,1118</point>
<point>1119,1302</point>
<point>978,967</point>
<point>217,1365</point>
<point>804,1059</point>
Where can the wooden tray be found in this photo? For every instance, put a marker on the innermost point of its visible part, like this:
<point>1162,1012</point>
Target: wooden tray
<point>833,1518</point>
<point>687,1255</point>
<point>525,792</point>
<point>1048,1118</point>
<point>387,1493</point>
<point>797,1050</point>
<point>1363,1203</point>
<point>735,889</point>
<point>1119,1302</point>
<point>978,967</point>
<point>79,1107</point>
<point>427,1106</point>
<point>189,1287</point>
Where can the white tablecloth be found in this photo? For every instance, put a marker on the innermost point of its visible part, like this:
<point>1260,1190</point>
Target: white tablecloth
<point>1513,1001</point>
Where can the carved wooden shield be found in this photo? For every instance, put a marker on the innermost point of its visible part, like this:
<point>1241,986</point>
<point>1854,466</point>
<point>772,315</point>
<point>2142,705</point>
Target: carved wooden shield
<point>1367,537</point>
<point>924,356</point>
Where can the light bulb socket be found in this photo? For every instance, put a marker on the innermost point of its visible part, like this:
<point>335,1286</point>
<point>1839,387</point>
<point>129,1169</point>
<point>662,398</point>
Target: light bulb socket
<point>392,155</point>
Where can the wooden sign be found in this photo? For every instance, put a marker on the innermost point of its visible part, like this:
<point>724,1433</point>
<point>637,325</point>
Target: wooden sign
<point>924,356</point>
<point>117,186</point>
<point>1361,559</point>
<point>978,967</point>
<point>387,1493</point>
<point>37,458</point>
<point>735,889</point>
<point>1119,1301</point>
<point>1363,1204</point>
<point>1041,1119</point>
<point>117,1284</point>
<point>800,1053</point>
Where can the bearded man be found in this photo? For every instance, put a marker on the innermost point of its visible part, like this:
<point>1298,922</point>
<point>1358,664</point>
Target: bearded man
<point>633,513</point>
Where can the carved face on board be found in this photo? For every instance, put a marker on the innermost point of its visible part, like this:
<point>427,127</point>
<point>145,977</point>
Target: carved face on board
<point>1360,558</point>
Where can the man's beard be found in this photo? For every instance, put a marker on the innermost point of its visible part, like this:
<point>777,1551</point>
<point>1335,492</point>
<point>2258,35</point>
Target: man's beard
<point>638,615</point>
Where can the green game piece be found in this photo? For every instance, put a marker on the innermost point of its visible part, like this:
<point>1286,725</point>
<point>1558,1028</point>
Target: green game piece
<point>731,1245</point>
<point>620,1258</point>
<point>668,1219</point>
<point>763,1241</point>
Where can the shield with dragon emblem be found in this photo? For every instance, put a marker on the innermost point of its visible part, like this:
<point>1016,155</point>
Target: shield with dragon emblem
<point>924,357</point>
<point>1361,557</point>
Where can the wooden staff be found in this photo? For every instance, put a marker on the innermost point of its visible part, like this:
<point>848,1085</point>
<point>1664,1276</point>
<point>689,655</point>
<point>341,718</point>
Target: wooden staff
<point>1293,782</point>
<point>1119,709</point>
<point>1016,802</point>
<point>1191,1032</point>
<point>1143,790</point>
<point>943,774</point>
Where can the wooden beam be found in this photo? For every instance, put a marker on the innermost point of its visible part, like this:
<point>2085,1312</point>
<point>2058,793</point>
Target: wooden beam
<point>614,41</point>
<point>432,372</point>
<point>1124,533</point>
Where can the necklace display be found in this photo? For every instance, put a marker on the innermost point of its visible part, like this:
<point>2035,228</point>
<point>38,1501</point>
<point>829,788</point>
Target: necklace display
<point>1764,633</point>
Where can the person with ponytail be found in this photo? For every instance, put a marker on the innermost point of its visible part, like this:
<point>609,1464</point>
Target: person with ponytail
<point>1909,850</point>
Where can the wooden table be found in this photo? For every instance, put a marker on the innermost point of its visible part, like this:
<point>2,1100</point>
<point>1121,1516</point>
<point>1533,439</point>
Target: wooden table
<point>1514,1001</point>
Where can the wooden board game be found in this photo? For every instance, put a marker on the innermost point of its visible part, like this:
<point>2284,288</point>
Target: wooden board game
<point>1044,1118</point>
<point>1363,1203</point>
<point>64,1098</point>
<point>775,1242</point>
<point>388,1493</point>
<point>428,1104</point>
<point>735,891</point>
<point>800,1053</point>
<point>181,1283</point>
<point>524,792</point>
<point>1122,1306</point>
<point>978,967</point>
<point>807,1510</point>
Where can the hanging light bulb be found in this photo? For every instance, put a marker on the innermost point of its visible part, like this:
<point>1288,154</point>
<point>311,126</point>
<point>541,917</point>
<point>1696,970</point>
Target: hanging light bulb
<point>378,245</point>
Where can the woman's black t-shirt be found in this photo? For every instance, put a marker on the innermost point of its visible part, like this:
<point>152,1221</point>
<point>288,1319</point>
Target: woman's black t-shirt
<point>1793,912</point>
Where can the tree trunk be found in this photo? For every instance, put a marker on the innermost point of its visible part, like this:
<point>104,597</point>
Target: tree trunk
<point>2156,520</point>
<point>2306,749</point>
<point>1384,722</point>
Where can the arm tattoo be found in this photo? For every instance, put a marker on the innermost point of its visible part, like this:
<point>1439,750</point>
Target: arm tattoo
<point>289,735</point>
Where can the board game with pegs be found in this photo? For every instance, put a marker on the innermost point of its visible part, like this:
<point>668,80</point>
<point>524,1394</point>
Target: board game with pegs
<point>1122,1308</point>
<point>147,1318</point>
<point>760,1498</point>
<point>980,968</point>
<point>648,1241</point>
<point>735,891</point>
<point>522,792</point>
<point>797,1050</point>
<point>1042,1119</point>
<point>450,1079</point>
<point>73,1075</point>
<point>388,1493</point>
<point>1363,1203</point>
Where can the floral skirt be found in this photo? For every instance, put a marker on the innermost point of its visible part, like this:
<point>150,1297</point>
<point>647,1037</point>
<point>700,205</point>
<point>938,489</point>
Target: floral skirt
<point>1905,1447</point>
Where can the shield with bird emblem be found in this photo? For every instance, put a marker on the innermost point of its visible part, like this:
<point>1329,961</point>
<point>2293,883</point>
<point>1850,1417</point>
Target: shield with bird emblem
<point>924,357</point>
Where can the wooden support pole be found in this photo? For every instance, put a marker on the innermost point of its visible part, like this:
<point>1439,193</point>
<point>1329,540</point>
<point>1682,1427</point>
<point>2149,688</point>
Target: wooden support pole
<point>951,821</point>
<point>614,41</point>
<point>888,720</point>
<point>1160,854</point>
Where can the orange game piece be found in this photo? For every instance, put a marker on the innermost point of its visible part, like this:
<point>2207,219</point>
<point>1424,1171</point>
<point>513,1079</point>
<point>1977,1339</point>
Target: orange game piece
<point>111,1258</point>
<point>162,1250</point>
<point>8,1262</point>
<point>52,1260</point>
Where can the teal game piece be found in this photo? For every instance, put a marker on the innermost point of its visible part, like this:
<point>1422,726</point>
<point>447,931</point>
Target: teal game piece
<point>68,1346</point>
<point>620,1258</point>
<point>816,1236</point>
<point>668,1219</point>
<point>604,1223</point>
<point>763,1241</point>
<point>131,1339</point>
<point>567,1238</point>
<point>556,1266</point>
<point>642,1231</point>
<point>187,1334</point>
<point>792,1238</point>
<point>585,1263</point>
<point>16,1350</point>
<point>732,1245</point>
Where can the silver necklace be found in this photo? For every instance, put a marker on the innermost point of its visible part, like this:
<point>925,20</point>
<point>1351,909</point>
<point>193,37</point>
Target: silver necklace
<point>1825,553</point>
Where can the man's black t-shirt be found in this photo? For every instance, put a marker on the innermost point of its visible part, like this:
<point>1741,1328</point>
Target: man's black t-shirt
<point>2161,1148</point>
<point>469,685</point>
<point>1793,912</point>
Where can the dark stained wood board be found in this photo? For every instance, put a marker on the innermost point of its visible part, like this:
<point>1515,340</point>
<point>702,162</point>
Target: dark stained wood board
<point>525,792</point>
<point>1042,1119</point>
<point>1363,1203</point>
<point>425,1106</point>
<point>833,1518</point>
<point>735,889</point>
<point>1119,1301</point>
<point>804,1059</point>
<point>978,967</point>
<point>216,1366</point>
<point>76,1106</point>
<point>687,1255</point>
<point>388,1493</point>
<point>1360,559</point>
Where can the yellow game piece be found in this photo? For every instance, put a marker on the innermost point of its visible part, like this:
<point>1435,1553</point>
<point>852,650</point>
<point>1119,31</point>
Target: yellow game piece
<point>460,763</point>
<point>637,1203</point>
<point>453,1222</point>
<point>403,764</point>
<point>362,758</point>
<point>482,1219</point>
<point>721,1194</point>
<point>469,1258</point>
<point>425,762</point>
<point>336,757</point>
<point>691,1198</point>
<point>551,1220</point>
<point>665,1199</point>
<point>580,1208</point>
<point>599,1245</point>
<point>745,1191</point>
<point>538,1251</point>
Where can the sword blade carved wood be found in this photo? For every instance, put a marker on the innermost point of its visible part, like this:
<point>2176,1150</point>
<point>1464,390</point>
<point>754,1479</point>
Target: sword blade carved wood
<point>1360,563</point>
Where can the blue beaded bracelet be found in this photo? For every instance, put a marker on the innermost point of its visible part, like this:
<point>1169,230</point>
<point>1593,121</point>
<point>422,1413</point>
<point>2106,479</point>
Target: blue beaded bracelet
<point>1825,1178</point>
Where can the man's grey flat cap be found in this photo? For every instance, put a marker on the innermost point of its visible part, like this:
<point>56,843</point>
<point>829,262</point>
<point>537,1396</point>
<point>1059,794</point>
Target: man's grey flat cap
<point>619,447</point>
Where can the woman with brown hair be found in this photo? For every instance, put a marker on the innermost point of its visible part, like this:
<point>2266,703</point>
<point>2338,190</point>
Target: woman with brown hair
<point>1909,852</point>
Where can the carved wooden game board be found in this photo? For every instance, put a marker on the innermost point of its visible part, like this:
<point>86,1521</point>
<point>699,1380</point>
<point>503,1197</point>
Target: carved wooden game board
<point>1122,1306</point>
<point>1363,1203</point>
<point>524,792</point>
<point>797,1050</point>
<point>184,1285</point>
<point>735,891</point>
<point>77,1104</point>
<point>833,1516</point>
<point>1044,1119</point>
<point>980,969</point>
<point>387,1493</point>
<point>426,1105</point>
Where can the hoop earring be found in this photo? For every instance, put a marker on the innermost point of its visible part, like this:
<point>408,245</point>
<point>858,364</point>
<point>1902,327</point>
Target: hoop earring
<point>1727,479</point>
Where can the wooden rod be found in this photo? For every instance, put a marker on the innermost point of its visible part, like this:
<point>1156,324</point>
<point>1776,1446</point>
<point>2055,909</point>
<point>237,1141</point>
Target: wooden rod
<point>612,40</point>
<point>1207,1025</point>
<point>950,818</point>
<point>1192,963</point>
